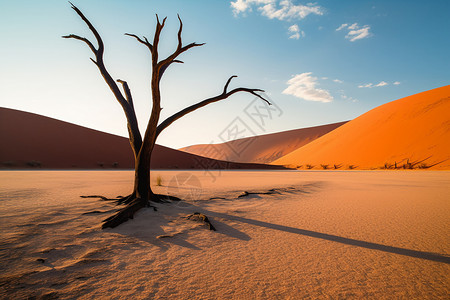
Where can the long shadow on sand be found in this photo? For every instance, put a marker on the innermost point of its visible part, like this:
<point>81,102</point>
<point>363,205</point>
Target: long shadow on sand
<point>334,238</point>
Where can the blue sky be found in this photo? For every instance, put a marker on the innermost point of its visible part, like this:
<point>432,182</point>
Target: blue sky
<point>319,63</point>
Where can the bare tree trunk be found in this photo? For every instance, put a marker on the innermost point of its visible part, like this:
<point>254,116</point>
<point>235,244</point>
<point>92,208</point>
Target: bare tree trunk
<point>142,188</point>
<point>143,147</point>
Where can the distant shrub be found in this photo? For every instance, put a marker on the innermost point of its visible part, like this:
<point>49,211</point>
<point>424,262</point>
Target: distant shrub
<point>101,164</point>
<point>8,163</point>
<point>337,166</point>
<point>309,167</point>
<point>115,164</point>
<point>408,165</point>
<point>299,167</point>
<point>387,166</point>
<point>158,180</point>
<point>34,164</point>
<point>424,166</point>
<point>352,167</point>
<point>325,167</point>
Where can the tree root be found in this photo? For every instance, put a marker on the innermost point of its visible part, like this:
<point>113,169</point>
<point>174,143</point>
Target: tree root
<point>199,217</point>
<point>269,192</point>
<point>103,197</point>
<point>132,206</point>
<point>125,213</point>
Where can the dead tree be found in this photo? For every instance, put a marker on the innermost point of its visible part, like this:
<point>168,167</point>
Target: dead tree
<point>142,146</point>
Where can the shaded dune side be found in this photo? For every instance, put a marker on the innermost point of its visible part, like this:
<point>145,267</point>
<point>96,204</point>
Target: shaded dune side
<point>410,129</point>
<point>263,148</point>
<point>32,141</point>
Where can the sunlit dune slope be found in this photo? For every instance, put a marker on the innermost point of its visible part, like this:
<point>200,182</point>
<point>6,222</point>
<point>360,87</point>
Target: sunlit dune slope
<point>32,141</point>
<point>264,148</point>
<point>410,129</point>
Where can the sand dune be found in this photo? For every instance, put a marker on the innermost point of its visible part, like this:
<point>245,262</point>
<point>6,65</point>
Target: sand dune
<point>264,148</point>
<point>33,141</point>
<point>413,128</point>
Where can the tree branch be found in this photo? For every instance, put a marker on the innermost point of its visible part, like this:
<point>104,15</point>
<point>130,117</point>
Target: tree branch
<point>145,41</point>
<point>200,104</point>
<point>251,91</point>
<point>164,64</point>
<point>159,27</point>
<point>73,36</point>
<point>92,28</point>
<point>127,104</point>
<point>228,83</point>
<point>127,92</point>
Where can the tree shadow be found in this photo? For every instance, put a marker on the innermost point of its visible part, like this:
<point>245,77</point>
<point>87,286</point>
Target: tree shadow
<point>334,238</point>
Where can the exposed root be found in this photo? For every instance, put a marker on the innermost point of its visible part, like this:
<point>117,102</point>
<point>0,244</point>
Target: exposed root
<point>133,204</point>
<point>103,197</point>
<point>199,217</point>
<point>269,192</point>
<point>159,198</point>
<point>94,212</point>
<point>125,213</point>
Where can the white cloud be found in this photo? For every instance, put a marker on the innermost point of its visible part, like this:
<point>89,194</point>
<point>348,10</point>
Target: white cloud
<point>353,26</point>
<point>345,97</point>
<point>396,83</point>
<point>304,86</point>
<point>286,10</point>
<point>355,32</point>
<point>341,27</point>
<point>241,6</point>
<point>371,85</point>
<point>358,34</point>
<point>338,81</point>
<point>367,85</point>
<point>295,32</point>
<point>277,9</point>
<point>382,83</point>
<point>283,10</point>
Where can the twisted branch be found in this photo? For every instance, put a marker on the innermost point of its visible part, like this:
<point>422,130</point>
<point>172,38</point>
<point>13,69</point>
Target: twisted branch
<point>145,41</point>
<point>126,102</point>
<point>200,104</point>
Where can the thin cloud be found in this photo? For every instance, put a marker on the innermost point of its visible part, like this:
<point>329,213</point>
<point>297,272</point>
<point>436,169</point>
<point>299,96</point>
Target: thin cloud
<point>283,10</point>
<point>241,6</point>
<point>358,34</point>
<point>351,99</point>
<point>380,84</point>
<point>303,86</point>
<point>367,85</point>
<point>295,32</point>
<point>353,26</point>
<point>338,81</point>
<point>355,32</point>
<point>396,83</point>
<point>286,10</point>
<point>341,27</point>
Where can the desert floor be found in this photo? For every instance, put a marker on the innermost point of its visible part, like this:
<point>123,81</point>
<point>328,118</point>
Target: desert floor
<point>319,234</point>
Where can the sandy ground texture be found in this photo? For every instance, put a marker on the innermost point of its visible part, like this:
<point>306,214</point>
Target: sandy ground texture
<point>317,234</point>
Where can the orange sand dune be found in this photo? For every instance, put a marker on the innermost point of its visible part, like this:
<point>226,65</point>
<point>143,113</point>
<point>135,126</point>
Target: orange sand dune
<point>33,141</point>
<point>264,148</point>
<point>415,128</point>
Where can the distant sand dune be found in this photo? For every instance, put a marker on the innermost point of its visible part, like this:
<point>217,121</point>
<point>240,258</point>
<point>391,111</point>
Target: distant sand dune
<point>263,148</point>
<point>413,129</point>
<point>32,141</point>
